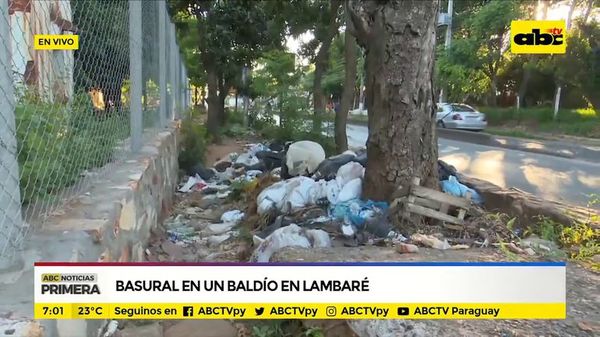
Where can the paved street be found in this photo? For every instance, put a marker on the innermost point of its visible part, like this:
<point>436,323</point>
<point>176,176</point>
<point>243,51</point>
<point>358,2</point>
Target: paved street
<point>556,178</point>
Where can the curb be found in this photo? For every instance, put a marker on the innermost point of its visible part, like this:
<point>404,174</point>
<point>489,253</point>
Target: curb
<point>487,139</point>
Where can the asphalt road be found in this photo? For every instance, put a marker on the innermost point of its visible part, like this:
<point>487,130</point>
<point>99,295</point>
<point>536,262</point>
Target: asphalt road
<point>551,177</point>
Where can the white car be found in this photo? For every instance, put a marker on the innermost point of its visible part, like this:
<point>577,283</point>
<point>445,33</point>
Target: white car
<point>460,116</point>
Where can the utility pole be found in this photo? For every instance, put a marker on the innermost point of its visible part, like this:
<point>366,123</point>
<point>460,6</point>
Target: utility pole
<point>449,25</point>
<point>446,19</point>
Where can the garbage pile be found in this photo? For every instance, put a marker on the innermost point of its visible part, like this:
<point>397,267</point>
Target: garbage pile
<point>310,200</point>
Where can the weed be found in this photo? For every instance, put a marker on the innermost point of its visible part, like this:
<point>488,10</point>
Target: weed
<point>314,332</point>
<point>546,229</point>
<point>285,328</point>
<point>510,255</point>
<point>269,329</point>
<point>582,240</point>
<point>193,144</point>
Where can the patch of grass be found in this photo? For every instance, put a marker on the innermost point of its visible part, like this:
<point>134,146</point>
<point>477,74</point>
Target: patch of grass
<point>512,133</point>
<point>577,122</point>
<point>358,119</point>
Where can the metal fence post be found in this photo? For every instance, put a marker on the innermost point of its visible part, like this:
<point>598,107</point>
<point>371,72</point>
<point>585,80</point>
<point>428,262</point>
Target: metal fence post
<point>186,84</point>
<point>176,81</point>
<point>11,222</point>
<point>183,86</point>
<point>162,61</point>
<point>135,73</point>
<point>173,68</point>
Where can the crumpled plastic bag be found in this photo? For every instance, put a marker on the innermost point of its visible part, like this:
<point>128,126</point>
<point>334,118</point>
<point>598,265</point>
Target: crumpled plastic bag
<point>255,148</point>
<point>193,183</point>
<point>332,191</point>
<point>276,195</point>
<point>329,167</point>
<point>348,172</point>
<point>247,159</point>
<point>351,190</point>
<point>234,216</point>
<point>301,195</point>
<point>288,236</point>
<point>272,197</point>
<point>318,238</point>
<point>325,189</point>
<point>356,212</point>
<point>453,187</point>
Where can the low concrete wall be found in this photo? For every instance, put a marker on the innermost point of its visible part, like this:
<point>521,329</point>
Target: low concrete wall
<point>111,222</point>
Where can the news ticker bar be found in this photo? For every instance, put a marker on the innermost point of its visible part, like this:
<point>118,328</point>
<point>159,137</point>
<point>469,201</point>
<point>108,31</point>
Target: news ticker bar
<point>163,311</point>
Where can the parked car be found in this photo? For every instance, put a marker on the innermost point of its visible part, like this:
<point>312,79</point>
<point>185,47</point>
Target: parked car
<point>460,116</point>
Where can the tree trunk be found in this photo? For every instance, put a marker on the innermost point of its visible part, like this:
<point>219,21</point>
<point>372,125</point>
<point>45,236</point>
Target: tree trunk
<point>493,90</point>
<point>212,123</point>
<point>223,91</point>
<point>399,37</point>
<point>236,102</point>
<point>524,85</point>
<point>588,11</point>
<point>321,65</point>
<point>341,115</point>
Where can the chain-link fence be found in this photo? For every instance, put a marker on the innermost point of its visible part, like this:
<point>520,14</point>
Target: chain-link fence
<point>67,115</point>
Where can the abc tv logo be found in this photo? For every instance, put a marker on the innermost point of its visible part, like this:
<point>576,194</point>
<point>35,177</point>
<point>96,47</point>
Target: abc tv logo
<point>553,36</point>
<point>538,37</point>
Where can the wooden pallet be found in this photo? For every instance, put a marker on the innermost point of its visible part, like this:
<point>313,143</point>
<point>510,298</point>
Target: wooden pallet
<point>433,204</point>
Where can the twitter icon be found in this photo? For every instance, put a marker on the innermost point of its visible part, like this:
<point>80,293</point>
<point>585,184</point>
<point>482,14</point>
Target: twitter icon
<point>259,311</point>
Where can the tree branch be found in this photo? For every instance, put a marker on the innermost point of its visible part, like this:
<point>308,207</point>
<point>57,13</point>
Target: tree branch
<point>360,26</point>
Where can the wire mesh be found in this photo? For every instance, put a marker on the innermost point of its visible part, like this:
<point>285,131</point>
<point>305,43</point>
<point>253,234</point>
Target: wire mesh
<point>67,117</point>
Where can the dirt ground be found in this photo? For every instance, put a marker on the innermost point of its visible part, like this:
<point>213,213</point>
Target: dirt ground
<point>218,151</point>
<point>230,244</point>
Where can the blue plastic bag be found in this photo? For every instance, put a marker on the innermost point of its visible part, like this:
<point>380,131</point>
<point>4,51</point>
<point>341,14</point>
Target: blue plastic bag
<point>356,211</point>
<point>453,187</point>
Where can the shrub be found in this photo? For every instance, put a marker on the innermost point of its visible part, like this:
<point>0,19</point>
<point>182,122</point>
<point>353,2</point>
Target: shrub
<point>56,143</point>
<point>194,138</point>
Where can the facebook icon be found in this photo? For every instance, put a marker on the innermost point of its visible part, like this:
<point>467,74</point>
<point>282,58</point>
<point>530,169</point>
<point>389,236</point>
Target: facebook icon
<point>188,311</point>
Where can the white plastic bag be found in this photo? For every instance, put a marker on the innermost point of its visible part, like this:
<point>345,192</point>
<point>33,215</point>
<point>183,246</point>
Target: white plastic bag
<point>318,238</point>
<point>276,195</point>
<point>288,236</point>
<point>348,172</point>
<point>304,156</point>
<point>247,159</point>
<point>352,190</point>
<point>234,216</point>
<point>301,195</point>
<point>271,197</point>
<point>333,191</point>
<point>191,183</point>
